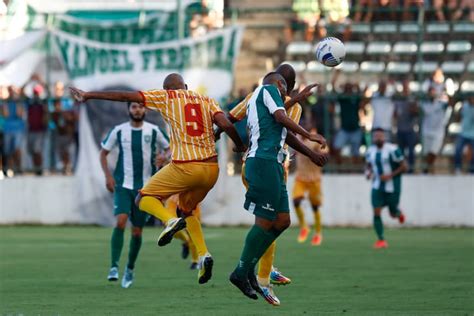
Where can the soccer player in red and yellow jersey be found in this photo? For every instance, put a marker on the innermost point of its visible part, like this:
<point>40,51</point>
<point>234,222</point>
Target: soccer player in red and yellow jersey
<point>267,274</point>
<point>308,180</point>
<point>193,170</point>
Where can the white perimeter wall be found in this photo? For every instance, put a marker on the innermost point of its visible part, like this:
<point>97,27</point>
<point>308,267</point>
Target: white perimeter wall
<point>426,200</point>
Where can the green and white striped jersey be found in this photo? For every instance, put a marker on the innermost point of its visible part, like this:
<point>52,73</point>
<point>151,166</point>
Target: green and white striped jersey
<point>137,151</point>
<point>266,135</point>
<point>384,161</point>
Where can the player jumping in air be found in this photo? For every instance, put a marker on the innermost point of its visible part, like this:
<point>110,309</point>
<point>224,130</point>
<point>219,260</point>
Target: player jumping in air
<point>385,165</point>
<point>267,197</point>
<point>139,144</point>
<point>308,180</point>
<point>193,170</point>
<point>267,274</point>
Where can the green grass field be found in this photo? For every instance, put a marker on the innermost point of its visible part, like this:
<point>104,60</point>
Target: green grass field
<point>62,271</point>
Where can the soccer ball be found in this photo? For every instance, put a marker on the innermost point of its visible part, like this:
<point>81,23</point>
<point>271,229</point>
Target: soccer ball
<point>330,52</point>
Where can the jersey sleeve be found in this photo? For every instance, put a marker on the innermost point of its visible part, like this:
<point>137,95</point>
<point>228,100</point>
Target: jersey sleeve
<point>154,99</point>
<point>397,155</point>
<point>240,110</point>
<point>214,107</point>
<point>110,140</point>
<point>295,113</point>
<point>161,141</point>
<point>272,99</point>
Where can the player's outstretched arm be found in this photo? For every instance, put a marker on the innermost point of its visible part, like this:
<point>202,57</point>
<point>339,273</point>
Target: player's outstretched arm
<point>317,158</point>
<point>301,96</point>
<point>281,117</point>
<point>222,122</point>
<point>121,96</point>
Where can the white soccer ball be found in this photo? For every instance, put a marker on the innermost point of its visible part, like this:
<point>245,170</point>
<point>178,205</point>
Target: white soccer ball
<point>330,52</point>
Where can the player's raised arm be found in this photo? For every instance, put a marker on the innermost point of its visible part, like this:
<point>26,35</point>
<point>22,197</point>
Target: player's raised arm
<point>222,122</point>
<point>121,96</point>
<point>301,96</point>
<point>318,158</point>
<point>274,103</point>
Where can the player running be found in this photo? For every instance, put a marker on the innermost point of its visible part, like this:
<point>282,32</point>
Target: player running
<point>385,165</point>
<point>308,181</point>
<point>139,143</point>
<point>193,170</point>
<point>267,197</point>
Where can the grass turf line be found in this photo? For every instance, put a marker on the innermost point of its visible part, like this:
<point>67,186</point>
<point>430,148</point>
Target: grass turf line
<point>62,271</point>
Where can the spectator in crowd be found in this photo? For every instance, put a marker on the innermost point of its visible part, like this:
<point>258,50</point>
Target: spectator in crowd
<point>37,117</point>
<point>443,6</point>
<point>466,7</point>
<point>432,128</point>
<point>307,13</point>
<point>406,114</point>
<point>444,87</point>
<point>322,113</point>
<point>64,118</point>
<point>466,137</point>
<point>335,11</point>
<point>13,131</point>
<point>3,96</point>
<point>350,106</point>
<point>363,11</point>
<point>383,110</point>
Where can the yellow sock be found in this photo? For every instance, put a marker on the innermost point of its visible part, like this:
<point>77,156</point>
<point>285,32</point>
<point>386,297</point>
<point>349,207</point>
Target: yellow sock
<point>193,226</point>
<point>154,207</point>
<point>300,215</point>
<point>193,250</point>
<point>265,265</point>
<point>317,221</point>
<point>183,236</point>
<point>171,206</point>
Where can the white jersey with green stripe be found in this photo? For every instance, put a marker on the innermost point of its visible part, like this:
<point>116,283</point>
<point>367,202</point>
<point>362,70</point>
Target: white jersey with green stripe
<point>137,151</point>
<point>266,135</point>
<point>384,161</point>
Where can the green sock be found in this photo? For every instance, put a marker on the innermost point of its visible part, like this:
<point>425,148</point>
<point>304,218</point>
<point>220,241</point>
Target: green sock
<point>270,237</point>
<point>116,245</point>
<point>254,242</point>
<point>378,226</point>
<point>135,245</point>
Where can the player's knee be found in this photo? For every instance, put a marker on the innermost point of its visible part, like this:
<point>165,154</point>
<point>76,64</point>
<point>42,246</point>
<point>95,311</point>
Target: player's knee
<point>137,231</point>
<point>121,221</point>
<point>297,202</point>
<point>377,211</point>
<point>315,208</point>
<point>282,223</point>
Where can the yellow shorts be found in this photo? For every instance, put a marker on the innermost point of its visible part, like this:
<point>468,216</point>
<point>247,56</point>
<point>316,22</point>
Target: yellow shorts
<point>313,188</point>
<point>172,204</point>
<point>191,180</point>
<point>286,168</point>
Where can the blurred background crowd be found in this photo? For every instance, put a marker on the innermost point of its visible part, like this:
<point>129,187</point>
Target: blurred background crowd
<point>408,70</point>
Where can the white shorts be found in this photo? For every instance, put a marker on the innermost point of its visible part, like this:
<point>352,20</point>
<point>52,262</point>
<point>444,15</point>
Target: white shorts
<point>432,143</point>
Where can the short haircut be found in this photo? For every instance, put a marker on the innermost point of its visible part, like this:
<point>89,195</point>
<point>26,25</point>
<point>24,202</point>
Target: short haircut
<point>377,129</point>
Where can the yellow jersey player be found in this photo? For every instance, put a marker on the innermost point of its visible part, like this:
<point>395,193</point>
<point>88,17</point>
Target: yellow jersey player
<point>193,170</point>
<point>308,181</point>
<point>267,274</point>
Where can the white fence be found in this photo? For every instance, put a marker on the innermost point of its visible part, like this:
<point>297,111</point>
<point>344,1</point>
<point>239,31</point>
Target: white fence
<point>426,200</point>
